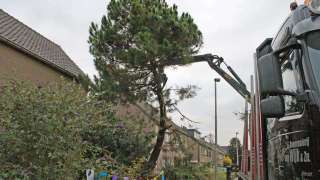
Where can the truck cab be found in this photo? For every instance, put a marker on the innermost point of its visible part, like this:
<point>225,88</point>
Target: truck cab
<point>288,90</point>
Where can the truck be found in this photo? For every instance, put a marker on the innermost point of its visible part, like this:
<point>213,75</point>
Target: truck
<point>282,132</point>
<point>285,106</point>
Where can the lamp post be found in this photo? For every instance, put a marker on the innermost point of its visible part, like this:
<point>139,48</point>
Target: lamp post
<point>216,80</point>
<point>237,149</point>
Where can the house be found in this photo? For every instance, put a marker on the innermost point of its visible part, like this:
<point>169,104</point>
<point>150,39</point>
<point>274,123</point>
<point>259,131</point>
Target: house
<point>225,148</point>
<point>181,142</point>
<point>202,151</point>
<point>194,133</point>
<point>28,56</point>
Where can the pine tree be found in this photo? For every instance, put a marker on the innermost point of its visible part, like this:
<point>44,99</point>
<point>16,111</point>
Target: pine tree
<point>235,145</point>
<point>135,42</point>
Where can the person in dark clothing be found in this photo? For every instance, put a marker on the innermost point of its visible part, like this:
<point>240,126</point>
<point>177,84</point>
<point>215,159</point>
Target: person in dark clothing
<point>229,170</point>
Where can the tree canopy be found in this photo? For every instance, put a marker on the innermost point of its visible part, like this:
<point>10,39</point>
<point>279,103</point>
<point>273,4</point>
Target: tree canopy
<point>136,41</point>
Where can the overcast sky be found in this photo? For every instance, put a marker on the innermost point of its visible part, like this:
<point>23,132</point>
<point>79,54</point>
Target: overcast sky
<point>231,29</point>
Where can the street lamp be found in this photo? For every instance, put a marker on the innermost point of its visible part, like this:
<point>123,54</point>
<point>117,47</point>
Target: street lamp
<point>216,80</point>
<point>237,149</point>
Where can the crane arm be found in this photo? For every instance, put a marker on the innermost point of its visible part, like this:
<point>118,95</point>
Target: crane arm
<point>215,62</point>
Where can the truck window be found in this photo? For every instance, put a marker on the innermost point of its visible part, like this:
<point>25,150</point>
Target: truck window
<point>314,54</point>
<point>290,83</point>
<point>282,35</point>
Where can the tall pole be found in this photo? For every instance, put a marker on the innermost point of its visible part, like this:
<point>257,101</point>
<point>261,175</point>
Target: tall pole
<point>216,80</point>
<point>237,149</point>
<point>244,160</point>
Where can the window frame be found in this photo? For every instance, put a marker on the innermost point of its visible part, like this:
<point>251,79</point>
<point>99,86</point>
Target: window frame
<point>292,57</point>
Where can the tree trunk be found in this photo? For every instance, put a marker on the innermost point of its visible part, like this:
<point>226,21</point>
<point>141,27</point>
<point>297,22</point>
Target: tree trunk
<point>152,162</point>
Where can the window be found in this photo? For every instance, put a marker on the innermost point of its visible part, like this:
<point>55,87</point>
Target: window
<point>167,138</point>
<point>291,80</point>
<point>283,34</point>
<point>209,153</point>
<point>314,54</point>
<point>202,150</point>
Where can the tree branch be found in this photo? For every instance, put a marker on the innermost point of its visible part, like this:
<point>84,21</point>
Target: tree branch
<point>184,117</point>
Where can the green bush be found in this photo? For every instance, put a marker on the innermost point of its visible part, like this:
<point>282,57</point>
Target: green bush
<point>182,169</point>
<point>40,136</point>
<point>57,131</point>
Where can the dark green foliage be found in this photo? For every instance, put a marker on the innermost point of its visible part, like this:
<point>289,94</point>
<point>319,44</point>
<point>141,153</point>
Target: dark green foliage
<point>58,131</point>
<point>136,41</point>
<point>40,136</point>
<point>134,44</point>
<point>232,149</point>
<point>119,141</point>
<point>184,170</point>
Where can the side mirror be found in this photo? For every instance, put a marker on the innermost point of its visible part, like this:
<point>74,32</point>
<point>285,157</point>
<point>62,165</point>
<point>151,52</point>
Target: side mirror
<point>273,107</point>
<point>270,78</point>
<point>269,70</point>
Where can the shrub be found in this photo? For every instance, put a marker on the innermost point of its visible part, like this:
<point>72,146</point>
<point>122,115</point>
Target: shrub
<point>57,131</point>
<point>40,134</point>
